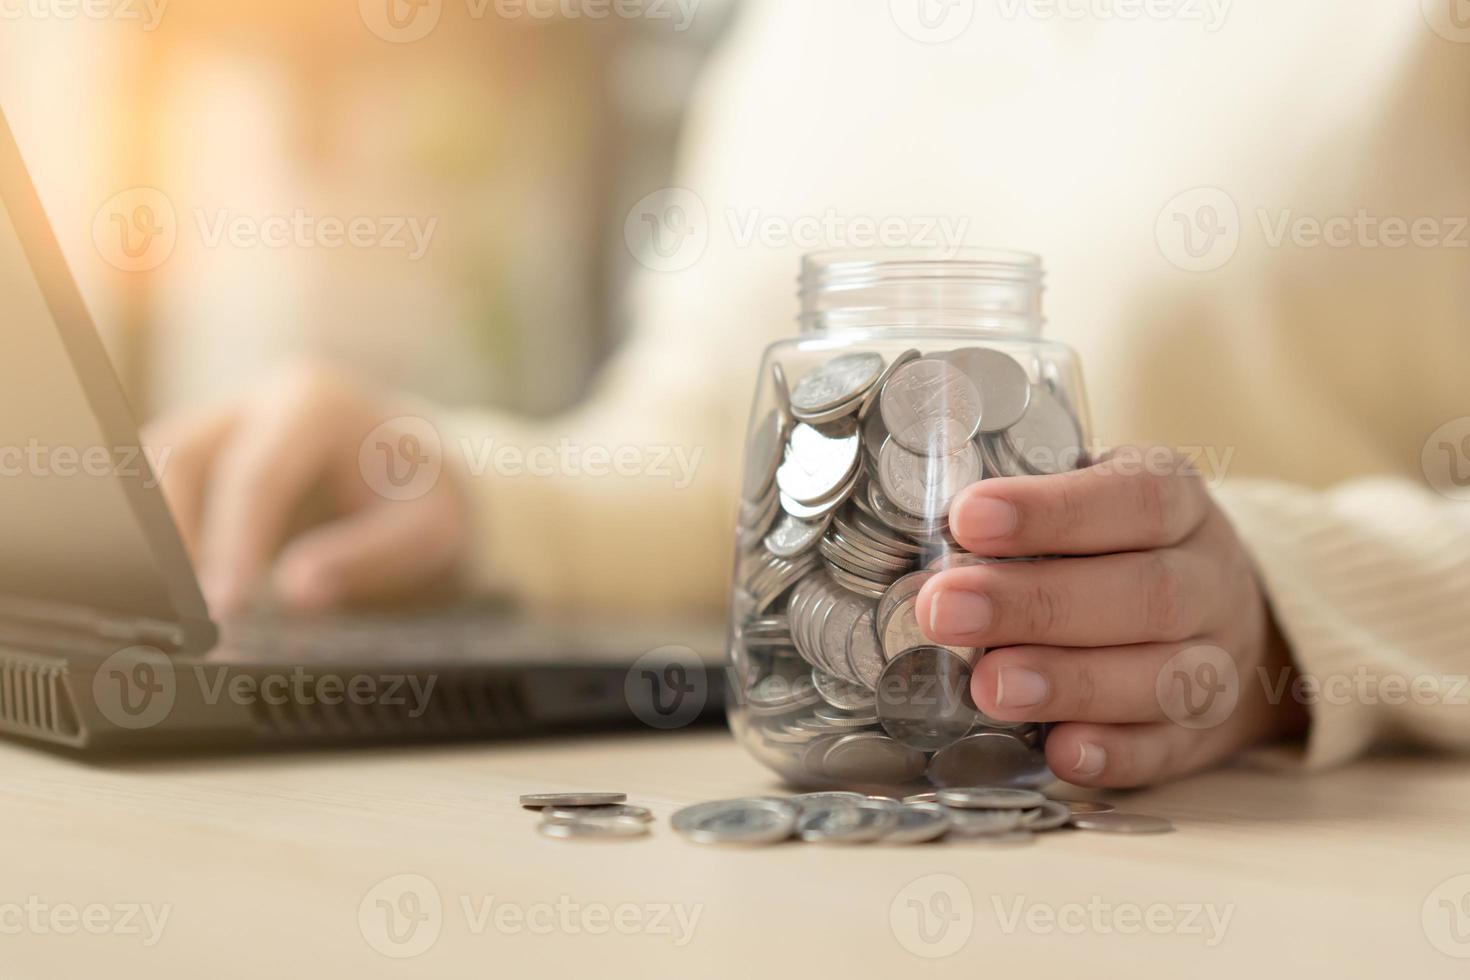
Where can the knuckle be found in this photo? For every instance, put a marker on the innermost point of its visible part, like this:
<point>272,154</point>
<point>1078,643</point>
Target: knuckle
<point>1082,690</point>
<point>1164,600</point>
<point>1069,508</point>
<point>1044,610</point>
<point>1154,501</point>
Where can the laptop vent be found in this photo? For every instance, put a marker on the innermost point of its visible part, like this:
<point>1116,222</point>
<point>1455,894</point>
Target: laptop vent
<point>34,699</point>
<point>469,708</point>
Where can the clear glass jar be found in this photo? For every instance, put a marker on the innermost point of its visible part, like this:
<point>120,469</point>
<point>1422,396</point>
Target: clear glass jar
<point>912,376</point>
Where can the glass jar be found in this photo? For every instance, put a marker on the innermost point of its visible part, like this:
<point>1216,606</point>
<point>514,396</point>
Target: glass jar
<point>913,375</point>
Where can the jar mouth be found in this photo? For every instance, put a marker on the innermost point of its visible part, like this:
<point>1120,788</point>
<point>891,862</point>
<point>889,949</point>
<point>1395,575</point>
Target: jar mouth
<point>984,288</point>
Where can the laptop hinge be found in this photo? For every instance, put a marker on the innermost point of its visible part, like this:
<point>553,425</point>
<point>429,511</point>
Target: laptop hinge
<point>63,626</point>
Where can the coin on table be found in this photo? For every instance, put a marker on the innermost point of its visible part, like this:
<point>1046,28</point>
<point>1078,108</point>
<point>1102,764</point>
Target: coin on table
<point>538,800</point>
<point>1121,823</point>
<point>1088,806</point>
<point>990,798</point>
<point>930,407</point>
<point>752,820</point>
<point>1005,391</point>
<point>980,823</point>
<point>1047,440</point>
<point>925,486</point>
<point>616,811</point>
<point>835,383</point>
<point>818,464</point>
<point>1050,815</point>
<point>989,759</point>
<point>811,801</point>
<point>607,829</point>
<point>847,822</point>
<point>919,823</point>
<point>924,699</point>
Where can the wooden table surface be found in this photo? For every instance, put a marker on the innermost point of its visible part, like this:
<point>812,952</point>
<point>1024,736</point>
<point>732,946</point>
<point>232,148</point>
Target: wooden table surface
<point>344,863</point>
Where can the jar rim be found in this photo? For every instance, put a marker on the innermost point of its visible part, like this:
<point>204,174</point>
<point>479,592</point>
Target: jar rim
<point>851,267</point>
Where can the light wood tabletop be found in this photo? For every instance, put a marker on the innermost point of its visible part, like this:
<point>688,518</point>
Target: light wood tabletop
<point>418,862</point>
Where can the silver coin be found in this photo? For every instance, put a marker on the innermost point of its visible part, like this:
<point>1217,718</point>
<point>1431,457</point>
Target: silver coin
<point>978,823</point>
<point>815,512</point>
<point>616,811</point>
<point>919,823</point>
<point>869,757</point>
<point>536,801</point>
<point>902,632</point>
<point>840,693</point>
<point>1121,823</point>
<point>752,820</point>
<point>930,407</point>
<point>1005,391</point>
<point>836,382</point>
<point>763,455</point>
<point>1047,440</point>
<point>791,536</point>
<point>847,823</point>
<point>783,392</point>
<point>990,798</point>
<point>999,457</point>
<point>818,464</point>
<point>1088,806</point>
<point>924,699</point>
<point>900,591</point>
<point>612,828</point>
<point>864,653</point>
<point>874,434</point>
<point>922,798</point>
<point>925,486</point>
<point>837,632</point>
<point>813,801</point>
<point>989,759</point>
<point>839,718</point>
<point>888,513</point>
<point>1050,815</point>
<point>856,583</point>
<point>955,559</point>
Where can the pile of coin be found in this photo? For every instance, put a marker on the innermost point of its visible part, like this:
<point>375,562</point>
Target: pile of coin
<point>997,815</point>
<point>846,495</point>
<point>589,816</point>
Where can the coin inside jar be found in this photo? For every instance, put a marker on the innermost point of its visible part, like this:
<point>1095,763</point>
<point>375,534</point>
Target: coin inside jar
<point>930,407</point>
<point>1005,391</point>
<point>835,383</point>
<point>923,698</point>
<point>925,486</point>
<point>818,464</point>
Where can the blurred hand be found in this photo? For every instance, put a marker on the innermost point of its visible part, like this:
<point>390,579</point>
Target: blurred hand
<point>239,479</point>
<point>1144,643</point>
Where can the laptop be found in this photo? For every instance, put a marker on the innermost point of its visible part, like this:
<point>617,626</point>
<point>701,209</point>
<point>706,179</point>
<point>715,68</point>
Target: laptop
<point>105,639</point>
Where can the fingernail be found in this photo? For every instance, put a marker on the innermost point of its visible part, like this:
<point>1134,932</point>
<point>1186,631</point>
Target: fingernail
<point>1092,759</point>
<point>985,519</point>
<point>954,613</point>
<point>1017,687</point>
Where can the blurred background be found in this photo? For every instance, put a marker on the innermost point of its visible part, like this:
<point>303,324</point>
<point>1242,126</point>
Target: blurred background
<point>432,191</point>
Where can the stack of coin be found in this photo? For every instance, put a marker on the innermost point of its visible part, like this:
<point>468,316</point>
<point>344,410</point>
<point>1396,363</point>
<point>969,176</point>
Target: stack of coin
<point>588,816</point>
<point>996,815</point>
<point>845,515</point>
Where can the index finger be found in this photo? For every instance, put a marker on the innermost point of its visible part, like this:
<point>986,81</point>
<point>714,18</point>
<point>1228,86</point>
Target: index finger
<point>1120,504</point>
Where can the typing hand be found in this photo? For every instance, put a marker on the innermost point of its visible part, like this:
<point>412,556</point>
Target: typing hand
<point>1144,642</point>
<point>238,479</point>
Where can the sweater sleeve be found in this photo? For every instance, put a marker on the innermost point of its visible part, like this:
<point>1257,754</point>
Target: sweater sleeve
<point>1369,582</point>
